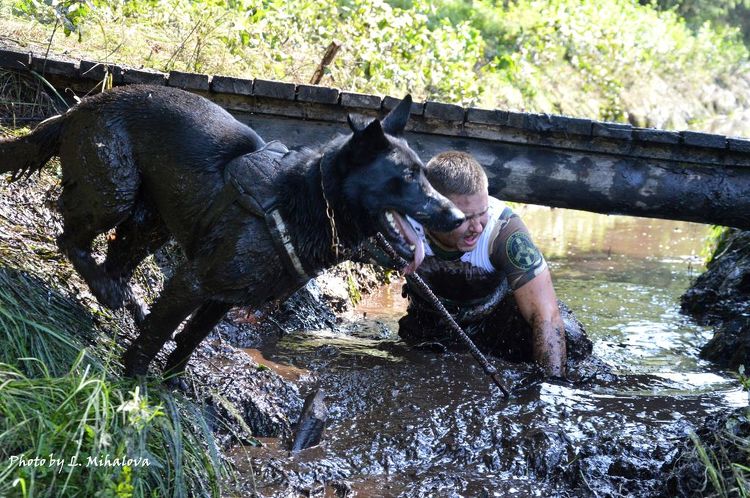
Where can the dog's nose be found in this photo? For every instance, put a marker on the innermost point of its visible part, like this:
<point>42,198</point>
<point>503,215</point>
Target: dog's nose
<point>449,218</point>
<point>454,218</point>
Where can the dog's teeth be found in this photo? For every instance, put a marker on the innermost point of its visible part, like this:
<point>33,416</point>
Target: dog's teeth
<point>412,247</point>
<point>391,221</point>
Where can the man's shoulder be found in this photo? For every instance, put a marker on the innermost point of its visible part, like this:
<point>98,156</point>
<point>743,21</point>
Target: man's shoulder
<point>499,209</point>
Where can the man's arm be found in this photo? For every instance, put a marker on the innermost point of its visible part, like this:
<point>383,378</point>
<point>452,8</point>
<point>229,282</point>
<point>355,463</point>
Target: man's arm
<point>538,304</point>
<point>514,252</point>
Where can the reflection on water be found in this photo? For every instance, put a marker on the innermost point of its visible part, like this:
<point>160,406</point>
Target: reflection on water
<point>623,276</point>
<point>431,425</point>
<point>565,233</point>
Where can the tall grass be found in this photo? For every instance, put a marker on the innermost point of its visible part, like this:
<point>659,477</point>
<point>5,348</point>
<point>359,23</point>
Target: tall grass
<point>70,426</point>
<point>83,434</point>
<point>724,458</point>
<point>42,332</point>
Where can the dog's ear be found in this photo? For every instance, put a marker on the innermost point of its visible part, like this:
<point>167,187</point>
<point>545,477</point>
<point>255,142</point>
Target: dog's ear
<point>395,122</point>
<point>368,141</point>
<point>356,123</point>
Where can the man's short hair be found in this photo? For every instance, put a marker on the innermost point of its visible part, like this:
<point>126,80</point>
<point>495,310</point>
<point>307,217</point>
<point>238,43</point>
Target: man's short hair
<point>456,173</point>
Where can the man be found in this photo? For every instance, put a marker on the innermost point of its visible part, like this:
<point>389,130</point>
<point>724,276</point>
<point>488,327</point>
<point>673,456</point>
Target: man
<point>488,273</point>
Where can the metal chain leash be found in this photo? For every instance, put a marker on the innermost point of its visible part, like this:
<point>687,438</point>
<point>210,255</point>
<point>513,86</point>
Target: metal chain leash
<point>435,302</point>
<point>335,243</point>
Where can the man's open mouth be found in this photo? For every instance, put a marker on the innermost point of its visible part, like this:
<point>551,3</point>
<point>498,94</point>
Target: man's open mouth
<point>403,238</point>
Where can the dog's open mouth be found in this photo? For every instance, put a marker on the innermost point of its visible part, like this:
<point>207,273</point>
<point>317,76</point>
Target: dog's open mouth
<point>404,239</point>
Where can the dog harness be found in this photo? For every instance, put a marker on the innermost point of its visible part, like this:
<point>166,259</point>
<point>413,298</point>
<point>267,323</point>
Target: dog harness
<point>250,180</point>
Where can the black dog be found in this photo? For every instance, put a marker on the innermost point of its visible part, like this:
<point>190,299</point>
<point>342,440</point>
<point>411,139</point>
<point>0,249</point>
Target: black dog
<point>155,162</point>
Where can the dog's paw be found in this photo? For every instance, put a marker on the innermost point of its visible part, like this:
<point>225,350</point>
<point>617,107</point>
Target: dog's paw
<point>177,383</point>
<point>109,292</point>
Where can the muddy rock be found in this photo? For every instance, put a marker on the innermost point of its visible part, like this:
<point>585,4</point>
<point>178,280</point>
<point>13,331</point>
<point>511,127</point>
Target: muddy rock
<point>721,297</point>
<point>316,306</point>
<point>247,399</point>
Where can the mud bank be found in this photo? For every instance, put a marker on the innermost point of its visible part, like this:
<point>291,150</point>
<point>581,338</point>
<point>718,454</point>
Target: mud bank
<point>721,297</point>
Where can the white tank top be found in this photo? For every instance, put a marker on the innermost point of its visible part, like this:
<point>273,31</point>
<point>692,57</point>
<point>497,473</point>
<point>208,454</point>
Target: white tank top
<point>480,255</point>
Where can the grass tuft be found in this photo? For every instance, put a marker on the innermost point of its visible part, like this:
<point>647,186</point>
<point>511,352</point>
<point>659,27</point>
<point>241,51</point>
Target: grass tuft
<point>31,334</point>
<point>69,426</point>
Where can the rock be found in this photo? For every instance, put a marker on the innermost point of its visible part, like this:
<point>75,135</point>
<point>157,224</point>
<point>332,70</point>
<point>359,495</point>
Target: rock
<point>312,422</point>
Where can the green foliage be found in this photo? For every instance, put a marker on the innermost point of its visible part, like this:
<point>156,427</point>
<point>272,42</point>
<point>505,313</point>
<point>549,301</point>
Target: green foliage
<point>571,56</point>
<point>734,13</point>
<point>716,242</point>
<point>606,47</point>
<point>68,13</point>
<point>62,402</point>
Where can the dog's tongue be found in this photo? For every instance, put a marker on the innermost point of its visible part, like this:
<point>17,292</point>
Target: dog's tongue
<point>411,238</point>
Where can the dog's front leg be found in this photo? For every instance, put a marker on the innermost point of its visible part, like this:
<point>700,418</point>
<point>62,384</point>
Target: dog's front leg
<point>196,329</point>
<point>182,294</point>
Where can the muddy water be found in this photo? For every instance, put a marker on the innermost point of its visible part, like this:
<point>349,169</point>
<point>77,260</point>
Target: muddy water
<point>418,423</point>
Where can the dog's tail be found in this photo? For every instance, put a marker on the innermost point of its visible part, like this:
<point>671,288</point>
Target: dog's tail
<point>28,154</point>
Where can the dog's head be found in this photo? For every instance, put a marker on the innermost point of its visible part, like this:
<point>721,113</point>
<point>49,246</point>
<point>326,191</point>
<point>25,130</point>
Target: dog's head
<point>385,181</point>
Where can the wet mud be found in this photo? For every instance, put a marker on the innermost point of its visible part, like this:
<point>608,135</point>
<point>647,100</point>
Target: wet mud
<point>409,422</point>
<point>721,297</point>
<point>404,421</point>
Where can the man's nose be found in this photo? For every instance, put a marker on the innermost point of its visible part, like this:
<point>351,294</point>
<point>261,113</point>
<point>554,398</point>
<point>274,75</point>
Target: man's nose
<point>475,224</point>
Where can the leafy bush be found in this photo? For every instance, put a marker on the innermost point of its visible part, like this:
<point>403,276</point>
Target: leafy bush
<point>569,56</point>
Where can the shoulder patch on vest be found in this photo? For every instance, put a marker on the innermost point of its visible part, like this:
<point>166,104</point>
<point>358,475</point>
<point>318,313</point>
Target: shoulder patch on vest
<point>522,252</point>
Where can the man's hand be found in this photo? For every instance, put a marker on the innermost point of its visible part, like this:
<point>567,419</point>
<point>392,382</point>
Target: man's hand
<point>538,304</point>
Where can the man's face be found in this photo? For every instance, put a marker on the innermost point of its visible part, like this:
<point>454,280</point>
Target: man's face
<point>465,237</point>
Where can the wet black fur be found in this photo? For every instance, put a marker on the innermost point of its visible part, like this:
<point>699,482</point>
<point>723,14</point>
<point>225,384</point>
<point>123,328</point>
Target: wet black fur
<point>149,162</point>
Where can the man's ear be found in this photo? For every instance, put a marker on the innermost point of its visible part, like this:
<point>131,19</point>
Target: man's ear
<point>395,122</point>
<point>367,142</point>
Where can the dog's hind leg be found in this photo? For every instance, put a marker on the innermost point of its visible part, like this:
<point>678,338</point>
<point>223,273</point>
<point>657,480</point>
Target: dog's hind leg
<point>100,187</point>
<point>198,327</point>
<point>75,242</point>
<point>181,296</point>
<point>134,239</point>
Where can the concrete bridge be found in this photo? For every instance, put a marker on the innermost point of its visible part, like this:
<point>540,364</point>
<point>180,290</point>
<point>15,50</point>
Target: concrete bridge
<point>544,159</point>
